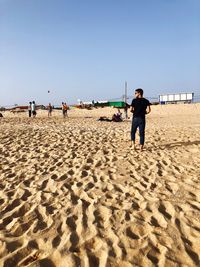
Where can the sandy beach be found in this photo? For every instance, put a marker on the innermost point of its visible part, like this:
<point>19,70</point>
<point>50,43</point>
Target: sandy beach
<point>73,192</point>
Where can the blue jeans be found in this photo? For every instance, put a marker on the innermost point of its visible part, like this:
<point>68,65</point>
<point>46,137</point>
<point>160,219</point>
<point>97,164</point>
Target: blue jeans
<point>138,123</point>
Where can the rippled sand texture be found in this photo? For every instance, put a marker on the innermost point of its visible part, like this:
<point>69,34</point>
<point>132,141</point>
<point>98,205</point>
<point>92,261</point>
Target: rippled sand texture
<point>73,192</point>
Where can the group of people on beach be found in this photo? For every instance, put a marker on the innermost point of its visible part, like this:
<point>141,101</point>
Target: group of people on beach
<point>32,109</point>
<point>64,109</point>
<point>140,107</point>
<point>117,117</point>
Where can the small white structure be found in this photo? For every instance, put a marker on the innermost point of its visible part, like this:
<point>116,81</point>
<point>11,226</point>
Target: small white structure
<point>175,98</point>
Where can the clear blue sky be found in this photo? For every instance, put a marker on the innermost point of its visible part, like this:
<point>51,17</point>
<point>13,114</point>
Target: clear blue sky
<point>87,49</point>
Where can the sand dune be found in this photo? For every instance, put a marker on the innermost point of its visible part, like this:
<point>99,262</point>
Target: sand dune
<point>73,192</point>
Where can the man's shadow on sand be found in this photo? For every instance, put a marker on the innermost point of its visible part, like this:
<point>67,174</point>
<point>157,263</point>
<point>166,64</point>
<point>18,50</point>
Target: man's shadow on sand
<point>175,144</point>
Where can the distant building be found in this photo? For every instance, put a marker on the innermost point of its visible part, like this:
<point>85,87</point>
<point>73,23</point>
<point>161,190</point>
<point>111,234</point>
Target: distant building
<point>176,98</point>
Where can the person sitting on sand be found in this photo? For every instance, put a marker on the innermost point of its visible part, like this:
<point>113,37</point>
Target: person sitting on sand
<point>104,118</point>
<point>117,117</point>
<point>50,108</point>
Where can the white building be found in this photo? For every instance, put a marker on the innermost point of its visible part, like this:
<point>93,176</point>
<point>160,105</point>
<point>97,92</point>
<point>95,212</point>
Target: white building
<point>176,98</point>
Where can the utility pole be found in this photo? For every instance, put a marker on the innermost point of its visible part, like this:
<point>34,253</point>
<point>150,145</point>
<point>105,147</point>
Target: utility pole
<point>125,100</point>
<point>125,96</point>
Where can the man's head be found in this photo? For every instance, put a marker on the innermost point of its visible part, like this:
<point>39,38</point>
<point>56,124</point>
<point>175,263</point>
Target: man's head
<point>138,93</point>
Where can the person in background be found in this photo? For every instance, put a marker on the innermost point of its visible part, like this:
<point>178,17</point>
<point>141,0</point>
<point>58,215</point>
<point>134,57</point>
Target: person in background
<point>126,111</point>
<point>140,106</point>
<point>29,109</point>
<point>33,109</point>
<point>50,109</point>
<point>117,117</point>
<point>64,109</point>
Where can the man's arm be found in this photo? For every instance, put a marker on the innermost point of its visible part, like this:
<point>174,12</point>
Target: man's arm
<point>148,110</point>
<point>132,109</point>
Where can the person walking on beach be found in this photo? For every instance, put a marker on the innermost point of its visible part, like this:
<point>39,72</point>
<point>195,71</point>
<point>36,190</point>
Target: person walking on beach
<point>64,109</point>
<point>33,109</point>
<point>29,109</point>
<point>50,108</point>
<point>140,106</point>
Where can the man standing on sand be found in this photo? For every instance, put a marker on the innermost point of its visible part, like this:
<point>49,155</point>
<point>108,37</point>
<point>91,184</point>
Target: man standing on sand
<point>50,109</point>
<point>139,107</point>
<point>29,109</point>
<point>33,109</point>
<point>64,109</point>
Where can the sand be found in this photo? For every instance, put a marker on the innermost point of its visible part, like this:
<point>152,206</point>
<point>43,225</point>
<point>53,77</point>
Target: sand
<point>74,193</point>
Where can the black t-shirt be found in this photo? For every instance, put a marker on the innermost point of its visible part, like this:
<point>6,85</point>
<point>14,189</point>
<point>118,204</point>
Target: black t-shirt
<point>140,105</point>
